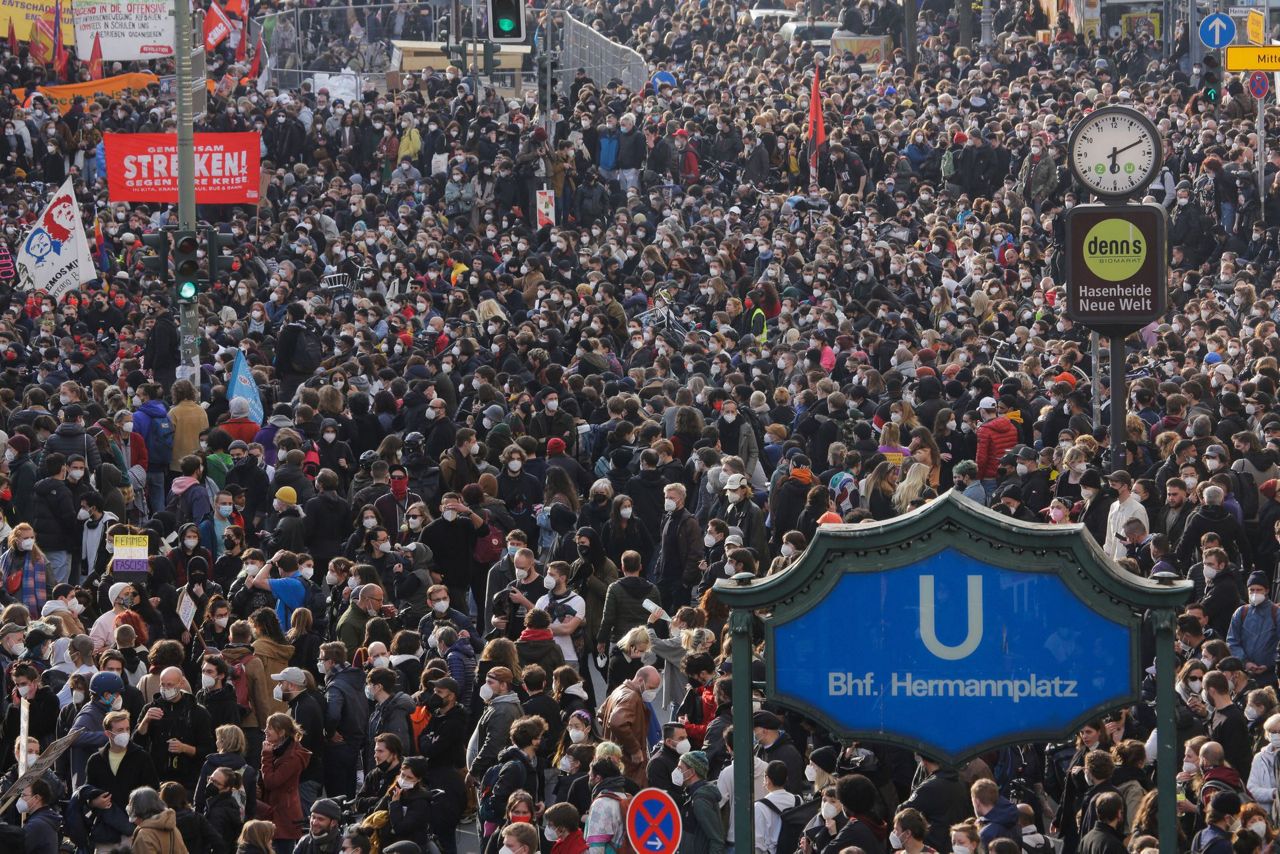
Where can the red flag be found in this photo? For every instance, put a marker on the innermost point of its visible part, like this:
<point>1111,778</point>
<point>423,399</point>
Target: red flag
<point>817,128</point>
<point>95,58</point>
<point>60,55</point>
<point>217,26</point>
<point>257,58</point>
<point>242,47</point>
<point>13,38</point>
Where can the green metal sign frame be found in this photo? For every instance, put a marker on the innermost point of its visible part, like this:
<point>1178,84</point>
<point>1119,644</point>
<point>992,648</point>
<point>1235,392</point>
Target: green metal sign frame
<point>949,522</point>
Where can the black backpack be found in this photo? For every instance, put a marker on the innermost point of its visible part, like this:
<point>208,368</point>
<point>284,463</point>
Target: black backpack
<point>794,821</point>
<point>308,352</point>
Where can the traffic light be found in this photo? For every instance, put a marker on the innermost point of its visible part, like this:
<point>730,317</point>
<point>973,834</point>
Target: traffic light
<point>157,262</point>
<point>506,21</point>
<point>222,263</point>
<point>186,265</point>
<point>1212,89</point>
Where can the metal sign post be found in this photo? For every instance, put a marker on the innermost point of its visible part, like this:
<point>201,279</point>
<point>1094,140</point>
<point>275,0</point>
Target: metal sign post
<point>188,317</point>
<point>1259,88</point>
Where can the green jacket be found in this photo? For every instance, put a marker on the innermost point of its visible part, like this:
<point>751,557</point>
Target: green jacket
<point>351,628</point>
<point>703,830</point>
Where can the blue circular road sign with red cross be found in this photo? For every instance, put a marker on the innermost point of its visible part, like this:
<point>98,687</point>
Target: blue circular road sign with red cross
<point>1259,85</point>
<point>653,822</point>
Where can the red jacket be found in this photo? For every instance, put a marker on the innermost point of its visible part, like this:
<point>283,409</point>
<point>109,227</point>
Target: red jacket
<point>278,799</point>
<point>698,731</point>
<point>995,438</point>
<point>571,844</point>
<point>244,429</point>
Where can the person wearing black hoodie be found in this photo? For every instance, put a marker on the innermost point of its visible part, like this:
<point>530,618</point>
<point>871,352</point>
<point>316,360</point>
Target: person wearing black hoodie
<point>858,797</point>
<point>624,603</point>
<point>335,454</point>
<point>326,517</point>
<point>217,695</point>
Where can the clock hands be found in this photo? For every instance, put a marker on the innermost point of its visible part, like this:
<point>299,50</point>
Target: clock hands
<point>1116,152</point>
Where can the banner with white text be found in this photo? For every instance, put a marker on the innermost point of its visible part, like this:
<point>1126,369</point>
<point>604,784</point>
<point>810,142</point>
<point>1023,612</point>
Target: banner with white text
<point>143,167</point>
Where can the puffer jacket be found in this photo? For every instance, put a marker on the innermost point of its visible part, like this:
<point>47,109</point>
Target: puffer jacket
<point>71,439</point>
<point>995,438</point>
<point>53,515</point>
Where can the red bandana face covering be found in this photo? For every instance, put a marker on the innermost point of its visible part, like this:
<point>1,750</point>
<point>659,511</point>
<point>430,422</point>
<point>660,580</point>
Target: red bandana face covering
<point>399,486</point>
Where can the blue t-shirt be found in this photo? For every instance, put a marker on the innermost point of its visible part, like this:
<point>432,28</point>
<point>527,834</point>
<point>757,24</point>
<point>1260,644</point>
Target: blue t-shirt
<point>290,594</point>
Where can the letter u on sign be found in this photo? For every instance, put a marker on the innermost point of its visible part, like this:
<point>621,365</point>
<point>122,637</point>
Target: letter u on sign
<point>928,624</point>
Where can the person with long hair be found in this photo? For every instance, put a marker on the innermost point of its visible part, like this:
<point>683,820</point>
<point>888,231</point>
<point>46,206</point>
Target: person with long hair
<point>880,489</point>
<point>283,760</point>
<point>913,487</point>
<point>257,837</point>
<point>24,569</point>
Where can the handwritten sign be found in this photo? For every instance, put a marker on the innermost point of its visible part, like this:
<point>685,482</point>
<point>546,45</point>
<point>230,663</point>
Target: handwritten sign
<point>130,562</point>
<point>186,608</point>
<point>8,269</point>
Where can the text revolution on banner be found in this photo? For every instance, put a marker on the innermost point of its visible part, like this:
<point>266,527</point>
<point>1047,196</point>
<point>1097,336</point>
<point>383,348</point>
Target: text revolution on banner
<point>129,31</point>
<point>143,167</point>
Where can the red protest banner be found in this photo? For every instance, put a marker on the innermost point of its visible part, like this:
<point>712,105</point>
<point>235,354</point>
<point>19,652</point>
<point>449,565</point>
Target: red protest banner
<point>217,27</point>
<point>143,167</point>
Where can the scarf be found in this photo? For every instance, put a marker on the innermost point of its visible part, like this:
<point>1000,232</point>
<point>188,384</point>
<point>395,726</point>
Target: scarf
<point>535,635</point>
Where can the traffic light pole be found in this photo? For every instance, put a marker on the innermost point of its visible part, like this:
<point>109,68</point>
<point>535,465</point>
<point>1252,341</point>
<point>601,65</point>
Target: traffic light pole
<point>188,317</point>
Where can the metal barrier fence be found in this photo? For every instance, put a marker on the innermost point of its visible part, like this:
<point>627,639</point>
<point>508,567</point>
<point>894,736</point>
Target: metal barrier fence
<point>604,59</point>
<point>345,47</point>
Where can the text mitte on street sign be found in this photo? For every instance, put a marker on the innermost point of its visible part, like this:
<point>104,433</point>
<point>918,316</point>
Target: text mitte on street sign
<point>1116,265</point>
<point>1245,57</point>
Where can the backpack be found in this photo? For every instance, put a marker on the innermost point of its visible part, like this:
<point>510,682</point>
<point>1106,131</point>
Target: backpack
<point>794,821</point>
<point>1245,490</point>
<point>620,843</point>
<point>491,545</point>
<point>948,164</point>
<point>308,351</point>
<point>160,440</point>
<point>240,681</point>
<point>489,809</point>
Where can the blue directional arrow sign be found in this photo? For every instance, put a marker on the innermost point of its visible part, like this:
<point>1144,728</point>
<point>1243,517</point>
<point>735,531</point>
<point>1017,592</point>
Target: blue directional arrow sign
<point>1217,31</point>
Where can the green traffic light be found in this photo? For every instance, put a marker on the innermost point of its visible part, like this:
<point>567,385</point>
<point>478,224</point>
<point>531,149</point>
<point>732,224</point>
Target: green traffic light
<point>506,24</point>
<point>187,290</point>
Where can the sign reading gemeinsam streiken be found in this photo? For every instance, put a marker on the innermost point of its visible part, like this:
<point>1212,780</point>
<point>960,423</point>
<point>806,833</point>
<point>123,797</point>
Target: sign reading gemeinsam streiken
<point>1116,265</point>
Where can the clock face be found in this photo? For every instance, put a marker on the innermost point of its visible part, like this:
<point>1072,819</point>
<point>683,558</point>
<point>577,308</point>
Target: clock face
<point>1115,151</point>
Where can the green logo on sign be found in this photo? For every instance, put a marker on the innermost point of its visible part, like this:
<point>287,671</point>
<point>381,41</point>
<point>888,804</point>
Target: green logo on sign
<point>1114,250</point>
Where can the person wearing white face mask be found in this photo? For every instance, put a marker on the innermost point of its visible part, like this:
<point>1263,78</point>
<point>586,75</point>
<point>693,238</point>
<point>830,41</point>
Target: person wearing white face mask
<point>175,730</point>
<point>216,694</point>
<point>502,708</point>
<point>1265,770</point>
<point>665,756</point>
<point>567,609</point>
<point>626,713</point>
<point>1252,627</point>
<point>391,707</point>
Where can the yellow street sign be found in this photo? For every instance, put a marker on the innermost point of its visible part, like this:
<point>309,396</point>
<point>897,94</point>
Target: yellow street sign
<point>1256,26</point>
<point>1250,58</point>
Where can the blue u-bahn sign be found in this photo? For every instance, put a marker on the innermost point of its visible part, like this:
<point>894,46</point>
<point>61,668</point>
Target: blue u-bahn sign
<point>953,629</point>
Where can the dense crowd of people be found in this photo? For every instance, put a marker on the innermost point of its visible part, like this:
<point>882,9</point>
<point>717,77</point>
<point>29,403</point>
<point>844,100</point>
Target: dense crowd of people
<point>461,573</point>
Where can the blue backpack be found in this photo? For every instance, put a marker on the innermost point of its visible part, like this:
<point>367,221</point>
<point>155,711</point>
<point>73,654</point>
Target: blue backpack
<point>160,441</point>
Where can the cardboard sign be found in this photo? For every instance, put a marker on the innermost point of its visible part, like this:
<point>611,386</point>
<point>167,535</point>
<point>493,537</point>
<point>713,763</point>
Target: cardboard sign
<point>130,561</point>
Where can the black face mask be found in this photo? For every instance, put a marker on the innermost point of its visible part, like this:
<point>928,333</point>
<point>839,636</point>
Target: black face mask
<point>434,703</point>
